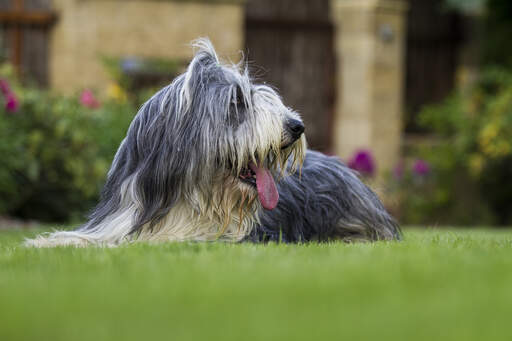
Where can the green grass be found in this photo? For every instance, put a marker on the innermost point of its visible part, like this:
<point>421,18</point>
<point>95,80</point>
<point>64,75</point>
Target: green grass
<point>450,285</point>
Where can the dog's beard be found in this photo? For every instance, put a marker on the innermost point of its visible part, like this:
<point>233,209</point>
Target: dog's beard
<point>261,174</point>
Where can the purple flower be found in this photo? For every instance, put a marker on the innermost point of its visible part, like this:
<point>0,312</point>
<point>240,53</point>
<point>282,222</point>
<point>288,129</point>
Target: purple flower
<point>88,100</point>
<point>363,162</point>
<point>11,101</point>
<point>12,104</point>
<point>421,167</point>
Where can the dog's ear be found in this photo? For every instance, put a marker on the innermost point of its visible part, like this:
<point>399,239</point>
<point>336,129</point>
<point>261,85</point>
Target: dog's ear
<point>204,52</point>
<point>205,62</point>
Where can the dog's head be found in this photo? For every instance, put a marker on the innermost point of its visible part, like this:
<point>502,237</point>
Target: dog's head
<point>214,138</point>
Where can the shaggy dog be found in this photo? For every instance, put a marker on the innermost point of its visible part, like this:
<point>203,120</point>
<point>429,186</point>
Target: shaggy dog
<point>215,156</point>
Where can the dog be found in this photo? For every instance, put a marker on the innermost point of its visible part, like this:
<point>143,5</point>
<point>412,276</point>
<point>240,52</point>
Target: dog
<point>216,156</point>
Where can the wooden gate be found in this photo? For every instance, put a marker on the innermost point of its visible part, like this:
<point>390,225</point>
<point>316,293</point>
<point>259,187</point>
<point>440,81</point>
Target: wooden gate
<point>290,45</point>
<point>433,39</point>
<point>24,37</point>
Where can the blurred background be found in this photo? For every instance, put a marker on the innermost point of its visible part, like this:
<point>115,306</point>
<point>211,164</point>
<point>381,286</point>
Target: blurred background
<point>416,95</point>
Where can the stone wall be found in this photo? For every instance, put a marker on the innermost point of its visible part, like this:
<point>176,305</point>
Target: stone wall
<point>89,29</point>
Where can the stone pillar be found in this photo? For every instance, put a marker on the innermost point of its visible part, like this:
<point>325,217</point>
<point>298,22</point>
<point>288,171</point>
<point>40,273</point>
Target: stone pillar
<point>369,43</point>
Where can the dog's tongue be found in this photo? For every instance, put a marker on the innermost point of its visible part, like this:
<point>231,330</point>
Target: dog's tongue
<point>267,190</point>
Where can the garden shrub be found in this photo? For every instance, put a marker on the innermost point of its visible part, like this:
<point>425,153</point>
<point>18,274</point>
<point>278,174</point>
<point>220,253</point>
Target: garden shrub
<point>471,157</point>
<point>56,151</point>
<point>471,151</point>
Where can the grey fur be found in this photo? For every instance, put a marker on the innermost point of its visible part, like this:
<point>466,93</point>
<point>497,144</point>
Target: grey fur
<point>327,201</point>
<point>177,174</point>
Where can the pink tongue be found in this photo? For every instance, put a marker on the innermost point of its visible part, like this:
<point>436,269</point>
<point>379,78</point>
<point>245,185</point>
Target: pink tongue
<point>267,191</point>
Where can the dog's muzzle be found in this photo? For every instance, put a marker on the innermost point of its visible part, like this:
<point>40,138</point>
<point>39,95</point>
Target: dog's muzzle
<point>293,131</point>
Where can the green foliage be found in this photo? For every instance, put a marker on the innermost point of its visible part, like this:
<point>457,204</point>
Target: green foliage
<point>471,156</point>
<point>417,195</point>
<point>56,152</point>
<point>465,5</point>
<point>124,71</point>
<point>497,49</point>
<point>497,28</point>
<point>472,151</point>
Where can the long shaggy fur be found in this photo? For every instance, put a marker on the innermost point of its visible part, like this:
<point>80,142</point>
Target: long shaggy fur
<point>325,202</point>
<point>178,174</point>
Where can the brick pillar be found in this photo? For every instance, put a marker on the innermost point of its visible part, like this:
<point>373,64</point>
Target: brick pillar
<point>370,38</point>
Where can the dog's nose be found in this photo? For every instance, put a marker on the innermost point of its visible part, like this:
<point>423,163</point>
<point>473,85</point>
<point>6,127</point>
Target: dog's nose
<point>295,127</point>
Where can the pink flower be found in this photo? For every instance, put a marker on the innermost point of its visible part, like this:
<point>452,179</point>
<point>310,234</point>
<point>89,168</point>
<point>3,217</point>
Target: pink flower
<point>88,100</point>
<point>4,87</point>
<point>421,167</point>
<point>363,162</point>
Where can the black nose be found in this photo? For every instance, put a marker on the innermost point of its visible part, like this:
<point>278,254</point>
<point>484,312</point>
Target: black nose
<point>295,127</point>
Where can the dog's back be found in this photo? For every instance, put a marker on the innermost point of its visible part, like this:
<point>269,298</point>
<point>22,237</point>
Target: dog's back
<point>325,201</point>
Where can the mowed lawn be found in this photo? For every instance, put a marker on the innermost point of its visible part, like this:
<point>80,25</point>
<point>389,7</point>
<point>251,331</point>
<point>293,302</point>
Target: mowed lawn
<point>435,285</point>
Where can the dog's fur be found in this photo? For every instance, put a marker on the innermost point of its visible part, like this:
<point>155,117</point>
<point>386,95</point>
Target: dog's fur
<point>182,172</point>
